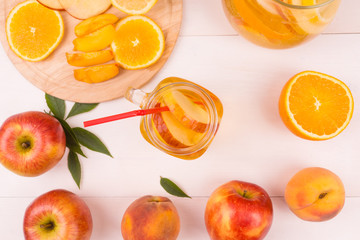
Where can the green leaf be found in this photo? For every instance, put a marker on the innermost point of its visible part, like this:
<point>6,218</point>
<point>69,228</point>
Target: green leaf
<point>90,140</point>
<point>56,105</point>
<point>79,108</point>
<point>172,188</point>
<point>74,167</point>
<point>71,141</point>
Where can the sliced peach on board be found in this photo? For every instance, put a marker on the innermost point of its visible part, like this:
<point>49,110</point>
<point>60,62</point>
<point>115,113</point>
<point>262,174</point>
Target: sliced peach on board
<point>95,41</point>
<point>83,9</point>
<point>96,74</point>
<point>173,132</point>
<point>52,4</point>
<point>190,114</point>
<point>94,23</point>
<point>90,58</point>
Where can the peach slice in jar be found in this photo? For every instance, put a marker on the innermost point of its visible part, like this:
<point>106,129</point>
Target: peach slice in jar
<point>94,23</point>
<point>188,112</point>
<point>95,41</point>
<point>173,132</point>
<point>97,74</point>
<point>89,58</point>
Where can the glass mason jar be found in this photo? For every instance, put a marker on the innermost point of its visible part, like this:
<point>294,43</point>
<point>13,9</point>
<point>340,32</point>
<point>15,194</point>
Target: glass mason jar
<point>280,23</point>
<point>187,129</point>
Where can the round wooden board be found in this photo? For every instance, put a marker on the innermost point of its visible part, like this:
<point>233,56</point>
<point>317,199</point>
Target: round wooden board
<point>55,77</point>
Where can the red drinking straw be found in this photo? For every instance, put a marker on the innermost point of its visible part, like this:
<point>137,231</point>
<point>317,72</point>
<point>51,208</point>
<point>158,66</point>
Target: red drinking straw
<point>124,115</point>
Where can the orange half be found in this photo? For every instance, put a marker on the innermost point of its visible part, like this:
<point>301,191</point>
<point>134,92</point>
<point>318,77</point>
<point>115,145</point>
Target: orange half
<point>34,31</point>
<point>134,7</point>
<point>138,43</point>
<point>316,106</point>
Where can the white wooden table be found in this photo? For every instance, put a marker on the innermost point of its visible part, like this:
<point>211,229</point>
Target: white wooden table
<point>252,144</point>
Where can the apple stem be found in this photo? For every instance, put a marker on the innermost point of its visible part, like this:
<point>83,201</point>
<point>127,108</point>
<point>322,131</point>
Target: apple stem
<point>322,195</point>
<point>25,144</point>
<point>47,226</point>
<point>244,193</point>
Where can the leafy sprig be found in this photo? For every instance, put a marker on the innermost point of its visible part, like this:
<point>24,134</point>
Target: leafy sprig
<point>171,188</point>
<point>75,137</point>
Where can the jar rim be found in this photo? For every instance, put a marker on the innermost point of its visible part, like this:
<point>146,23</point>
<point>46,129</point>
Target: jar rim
<point>205,140</point>
<point>289,5</point>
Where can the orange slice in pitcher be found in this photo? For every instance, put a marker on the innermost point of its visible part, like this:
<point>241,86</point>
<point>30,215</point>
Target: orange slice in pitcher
<point>139,42</point>
<point>313,20</point>
<point>29,36</point>
<point>134,7</point>
<point>250,11</point>
<point>315,106</point>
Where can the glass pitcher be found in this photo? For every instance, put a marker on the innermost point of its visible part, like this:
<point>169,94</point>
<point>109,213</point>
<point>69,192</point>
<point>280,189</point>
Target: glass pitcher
<point>280,23</point>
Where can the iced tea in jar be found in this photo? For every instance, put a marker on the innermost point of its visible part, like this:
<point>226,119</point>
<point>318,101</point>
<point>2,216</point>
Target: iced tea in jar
<point>191,122</point>
<point>280,23</point>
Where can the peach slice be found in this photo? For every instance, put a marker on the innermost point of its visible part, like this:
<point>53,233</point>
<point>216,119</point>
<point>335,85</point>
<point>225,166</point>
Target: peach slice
<point>52,4</point>
<point>97,74</point>
<point>83,9</point>
<point>173,132</point>
<point>163,132</point>
<point>94,23</point>
<point>192,115</point>
<point>95,41</point>
<point>89,59</point>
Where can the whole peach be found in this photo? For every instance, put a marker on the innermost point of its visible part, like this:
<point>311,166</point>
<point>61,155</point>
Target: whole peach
<point>315,194</point>
<point>151,218</point>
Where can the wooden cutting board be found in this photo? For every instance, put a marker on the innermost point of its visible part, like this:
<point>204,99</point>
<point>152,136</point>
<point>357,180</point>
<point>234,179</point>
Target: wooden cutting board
<point>55,77</point>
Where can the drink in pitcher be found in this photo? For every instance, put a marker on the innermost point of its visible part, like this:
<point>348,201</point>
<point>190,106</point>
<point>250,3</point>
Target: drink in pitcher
<point>188,127</point>
<point>280,23</point>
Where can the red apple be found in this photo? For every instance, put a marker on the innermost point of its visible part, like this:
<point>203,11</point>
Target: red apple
<point>31,143</point>
<point>58,215</point>
<point>151,218</point>
<point>238,211</point>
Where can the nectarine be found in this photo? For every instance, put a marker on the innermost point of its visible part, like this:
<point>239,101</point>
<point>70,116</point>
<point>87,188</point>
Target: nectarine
<point>315,194</point>
<point>151,218</point>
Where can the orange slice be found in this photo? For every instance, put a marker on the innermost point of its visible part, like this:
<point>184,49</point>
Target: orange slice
<point>139,42</point>
<point>313,20</point>
<point>134,7</point>
<point>316,106</point>
<point>29,36</point>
